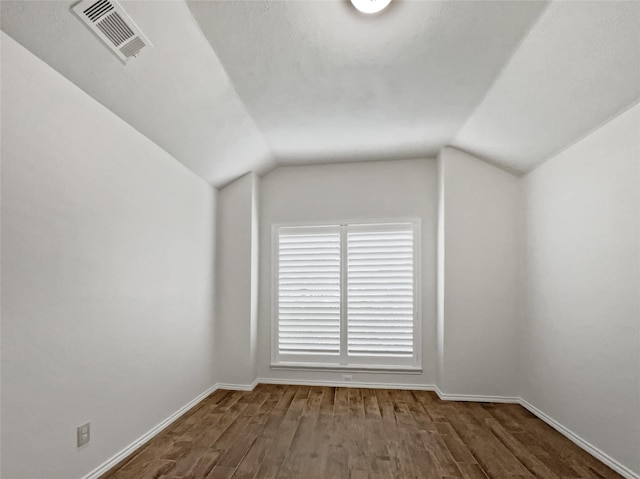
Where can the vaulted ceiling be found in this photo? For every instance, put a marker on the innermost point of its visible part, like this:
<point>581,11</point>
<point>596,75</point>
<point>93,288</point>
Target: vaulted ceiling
<point>233,86</point>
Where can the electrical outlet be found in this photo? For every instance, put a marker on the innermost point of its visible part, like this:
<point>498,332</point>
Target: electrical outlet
<point>347,377</point>
<point>84,434</point>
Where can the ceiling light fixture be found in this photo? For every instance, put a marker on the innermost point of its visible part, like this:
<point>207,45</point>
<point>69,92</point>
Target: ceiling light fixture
<point>370,6</point>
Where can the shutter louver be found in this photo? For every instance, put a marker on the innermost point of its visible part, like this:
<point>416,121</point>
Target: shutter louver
<point>309,291</point>
<point>380,290</point>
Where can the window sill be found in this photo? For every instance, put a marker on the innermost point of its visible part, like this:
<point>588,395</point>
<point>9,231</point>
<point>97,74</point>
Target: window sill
<point>369,368</point>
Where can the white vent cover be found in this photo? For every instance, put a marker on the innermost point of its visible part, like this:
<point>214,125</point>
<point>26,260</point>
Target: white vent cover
<point>108,20</point>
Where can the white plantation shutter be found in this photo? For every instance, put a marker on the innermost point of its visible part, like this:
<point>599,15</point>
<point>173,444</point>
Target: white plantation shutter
<point>381,282</point>
<point>309,290</point>
<point>347,295</point>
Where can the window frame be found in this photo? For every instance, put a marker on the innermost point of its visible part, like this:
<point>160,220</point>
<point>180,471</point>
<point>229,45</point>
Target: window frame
<point>344,362</point>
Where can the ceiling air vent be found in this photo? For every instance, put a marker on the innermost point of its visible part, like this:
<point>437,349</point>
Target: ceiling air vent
<point>108,20</point>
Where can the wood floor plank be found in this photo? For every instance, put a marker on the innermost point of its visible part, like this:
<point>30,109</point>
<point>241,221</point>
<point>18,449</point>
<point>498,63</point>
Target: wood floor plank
<point>496,460</point>
<point>337,463</point>
<point>245,434</point>
<point>507,421</point>
<point>355,433</point>
<point>203,465</point>
<point>548,456</point>
<point>300,432</point>
<point>320,439</point>
<point>279,447</point>
<point>251,462</point>
<point>301,447</point>
<point>444,460</point>
<point>387,415</point>
<point>431,403</point>
<point>456,446</point>
<point>221,473</point>
<point>570,453</point>
<point>524,455</point>
<point>207,438</point>
<point>376,450</point>
<point>423,462</point>
<point>472,471</point>
<point>420,415</point>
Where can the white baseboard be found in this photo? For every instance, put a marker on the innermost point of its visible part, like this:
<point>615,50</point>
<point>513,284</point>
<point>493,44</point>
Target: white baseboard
<point>594,451</point>
<point>587,446</point>
<point>347,384</point>
<point>238,387</point>
<point>145,438</point>
<point>469,398</point>
<point>421,387</point>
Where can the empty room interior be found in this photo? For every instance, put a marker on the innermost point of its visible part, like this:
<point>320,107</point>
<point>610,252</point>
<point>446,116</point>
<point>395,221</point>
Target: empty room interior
<point>320,239</point>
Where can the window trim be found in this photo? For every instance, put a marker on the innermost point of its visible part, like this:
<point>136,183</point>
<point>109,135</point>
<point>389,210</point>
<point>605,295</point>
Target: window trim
<point>370,364</point>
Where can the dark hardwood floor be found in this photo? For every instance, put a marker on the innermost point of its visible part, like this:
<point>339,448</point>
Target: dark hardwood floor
<point>323,432</point>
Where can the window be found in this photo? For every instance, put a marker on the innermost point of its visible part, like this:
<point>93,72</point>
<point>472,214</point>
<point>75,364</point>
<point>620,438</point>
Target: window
<point>346,296</point>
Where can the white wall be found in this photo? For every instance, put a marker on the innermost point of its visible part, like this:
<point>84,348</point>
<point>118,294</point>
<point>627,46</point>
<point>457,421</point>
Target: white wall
<point>478,277</point>
<point>347,192</point>
<point>236,292</point>
<point>582,331</point>
<point>107,268</point>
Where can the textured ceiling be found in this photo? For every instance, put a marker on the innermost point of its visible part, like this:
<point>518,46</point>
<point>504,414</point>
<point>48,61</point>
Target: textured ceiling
<point>324,82</point>
<point>176,93</point>
<point>234,86</point>
<point>577,68</point>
